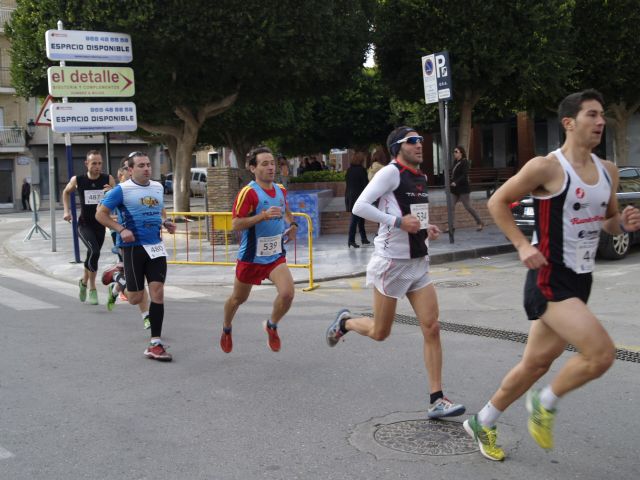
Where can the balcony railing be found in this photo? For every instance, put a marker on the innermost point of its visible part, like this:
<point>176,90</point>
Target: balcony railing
<point>5,15</point>
<point>12,137</point>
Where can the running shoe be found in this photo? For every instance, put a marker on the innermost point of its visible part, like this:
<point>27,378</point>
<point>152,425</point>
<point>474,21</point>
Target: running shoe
<point>111,298</point>
<point>486,438</point>
<point>540,420</point>
<point>146,321</point>
<point>83,291</point>
<point>273,339</point>
<point>156,351</point>
<point>334,334</point>
<point>93,297</point>
<point>443,407</point>
<point>123,297</point>
<point>109,273</point>
<point>226,342</point>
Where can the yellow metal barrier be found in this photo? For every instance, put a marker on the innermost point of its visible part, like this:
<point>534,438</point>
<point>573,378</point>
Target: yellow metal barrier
<point>212,226</point>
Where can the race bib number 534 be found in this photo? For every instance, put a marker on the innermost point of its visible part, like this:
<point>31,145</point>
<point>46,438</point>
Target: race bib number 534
<point>421,210</point>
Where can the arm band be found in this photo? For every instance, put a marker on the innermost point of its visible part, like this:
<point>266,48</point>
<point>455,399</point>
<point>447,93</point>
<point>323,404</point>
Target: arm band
<point>398,222</point>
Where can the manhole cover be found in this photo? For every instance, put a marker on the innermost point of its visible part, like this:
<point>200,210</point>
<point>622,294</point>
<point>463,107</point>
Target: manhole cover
<point>455,284</point>
<point>425,437</point>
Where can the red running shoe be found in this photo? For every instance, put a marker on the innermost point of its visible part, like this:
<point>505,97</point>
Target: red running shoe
<point>107,275</point>
<point>273,339</point>
<point>226,343</point>
<point>157,352</point>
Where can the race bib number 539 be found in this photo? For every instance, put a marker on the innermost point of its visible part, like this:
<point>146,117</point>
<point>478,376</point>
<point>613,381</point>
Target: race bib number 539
<point>268,246</point>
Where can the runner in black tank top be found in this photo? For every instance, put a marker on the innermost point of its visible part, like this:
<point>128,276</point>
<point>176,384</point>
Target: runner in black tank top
<point>574,194</point>
<point>90,187</point>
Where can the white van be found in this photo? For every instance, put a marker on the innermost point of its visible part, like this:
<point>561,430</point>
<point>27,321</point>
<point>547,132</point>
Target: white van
<point>198,182</point>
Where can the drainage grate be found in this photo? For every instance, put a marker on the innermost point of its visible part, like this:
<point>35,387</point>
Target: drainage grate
<point>425,437</point>
<point>621,353</point>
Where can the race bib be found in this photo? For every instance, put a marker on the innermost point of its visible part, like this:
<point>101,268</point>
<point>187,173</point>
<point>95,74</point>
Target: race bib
<point>93,197</point>
<point>268,246</point>
<point>155,251</point>
<point>421,210</point>
<point>586,255</point>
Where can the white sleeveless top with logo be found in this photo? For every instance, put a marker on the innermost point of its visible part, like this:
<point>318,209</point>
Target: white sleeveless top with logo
<point>568,223</point>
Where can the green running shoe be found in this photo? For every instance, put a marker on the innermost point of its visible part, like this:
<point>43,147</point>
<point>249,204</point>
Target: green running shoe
<point>93,297</point>
<point>83,291</point>
<point>486,438</point>
<point>540,420</point>
<point>147,322</point>
<point>111,298</point>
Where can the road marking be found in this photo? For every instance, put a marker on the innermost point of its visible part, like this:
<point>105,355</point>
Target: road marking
<point>177,293</point>
<point>19,301</point>
<point>4,454</point>
<point>40,280</point>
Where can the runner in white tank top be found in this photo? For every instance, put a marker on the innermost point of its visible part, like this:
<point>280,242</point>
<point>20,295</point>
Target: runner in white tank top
<point>574,194</point>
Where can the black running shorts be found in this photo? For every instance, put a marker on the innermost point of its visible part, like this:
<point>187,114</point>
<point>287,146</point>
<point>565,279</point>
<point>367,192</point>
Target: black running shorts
<point>138,266</point>
<point>553,283</point>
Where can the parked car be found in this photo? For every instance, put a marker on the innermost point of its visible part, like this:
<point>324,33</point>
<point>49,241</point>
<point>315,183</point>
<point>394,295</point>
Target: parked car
<point>612,247</point>
<point>198,182</point>
<point>168,183</point>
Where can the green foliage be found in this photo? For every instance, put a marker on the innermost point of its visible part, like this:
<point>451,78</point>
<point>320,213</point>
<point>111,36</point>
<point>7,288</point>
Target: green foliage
<point>319,176</point>
<point>517,52</point>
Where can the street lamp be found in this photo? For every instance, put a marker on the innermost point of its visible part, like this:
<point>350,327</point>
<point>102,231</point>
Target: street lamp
<point>31,128</point>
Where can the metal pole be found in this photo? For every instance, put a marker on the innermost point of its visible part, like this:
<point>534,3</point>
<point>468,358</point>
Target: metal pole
<point>443,109</point>
<point>52,188</point>
<point>67,145</point>
<point>106,152</point>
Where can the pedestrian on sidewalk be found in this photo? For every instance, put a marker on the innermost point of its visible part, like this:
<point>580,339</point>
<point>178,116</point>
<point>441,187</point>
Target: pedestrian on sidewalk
<point>397,199</point>
<point>26,191</point>
<point>259,212</point>
<point>574,195</point>
<point>91,188</point>
<point>379,160</point>
<point>356,180</point>
<point>460,188</point>
<point>141,202</point>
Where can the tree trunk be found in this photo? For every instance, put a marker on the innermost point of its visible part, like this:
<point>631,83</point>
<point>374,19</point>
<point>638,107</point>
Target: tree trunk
<point>466,112</point>
<point>618,118</point>
<point>183,140</point>
<point>240,147</point>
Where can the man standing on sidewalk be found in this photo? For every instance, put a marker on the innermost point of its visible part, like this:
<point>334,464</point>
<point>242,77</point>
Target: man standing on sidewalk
<point>259,212</point>
<point>400,264</point>
<point>91,187</point>
<point>574,198</point>
<point>141,202</point>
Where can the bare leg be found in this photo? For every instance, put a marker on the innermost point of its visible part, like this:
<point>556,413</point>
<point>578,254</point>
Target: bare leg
<point>281,277</point>
<point>378,327</point>
<point>239,295</point>
<point>425,304</point>
<point>464,198</point>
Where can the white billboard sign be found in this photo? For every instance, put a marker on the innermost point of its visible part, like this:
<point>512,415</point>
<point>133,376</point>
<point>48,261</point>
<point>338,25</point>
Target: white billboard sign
<point>94,117</point>
<point>81,46</point>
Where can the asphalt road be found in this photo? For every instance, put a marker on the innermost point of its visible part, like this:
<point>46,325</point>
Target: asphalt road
<point>79,401</point>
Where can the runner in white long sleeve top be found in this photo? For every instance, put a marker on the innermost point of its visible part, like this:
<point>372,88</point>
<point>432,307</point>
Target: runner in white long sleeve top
<point>400,264</point>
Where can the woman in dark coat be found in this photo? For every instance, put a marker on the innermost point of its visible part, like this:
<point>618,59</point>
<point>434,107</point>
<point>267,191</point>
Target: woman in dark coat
<point>356,179</point>
<point>460,189</point>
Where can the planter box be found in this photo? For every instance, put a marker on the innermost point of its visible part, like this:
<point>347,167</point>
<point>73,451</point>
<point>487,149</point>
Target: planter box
<point>337,188</point>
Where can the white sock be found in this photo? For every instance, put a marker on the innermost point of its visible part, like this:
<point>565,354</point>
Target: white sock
<point>144,314</point>
<point>114,290</point>
<point>548,399</point>
<point>489,415</point>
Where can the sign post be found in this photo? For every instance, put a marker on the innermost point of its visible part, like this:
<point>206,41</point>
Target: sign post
<point>44,120</point>
<point>96,81</point>
<point>438,88</point>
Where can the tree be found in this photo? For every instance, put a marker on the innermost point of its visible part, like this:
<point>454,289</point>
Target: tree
<point>192,59</point>
<point>606,48</point>
<point>513,51</point>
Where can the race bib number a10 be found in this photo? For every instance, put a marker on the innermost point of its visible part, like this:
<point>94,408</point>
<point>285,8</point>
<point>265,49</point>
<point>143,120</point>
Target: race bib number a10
<point>155,251</point>
<point>268,246</point>
<point>93,197</point>
<point>421,210</point>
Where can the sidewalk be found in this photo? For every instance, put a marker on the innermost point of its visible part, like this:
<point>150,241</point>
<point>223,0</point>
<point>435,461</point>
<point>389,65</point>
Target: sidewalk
<point>331,257</point>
